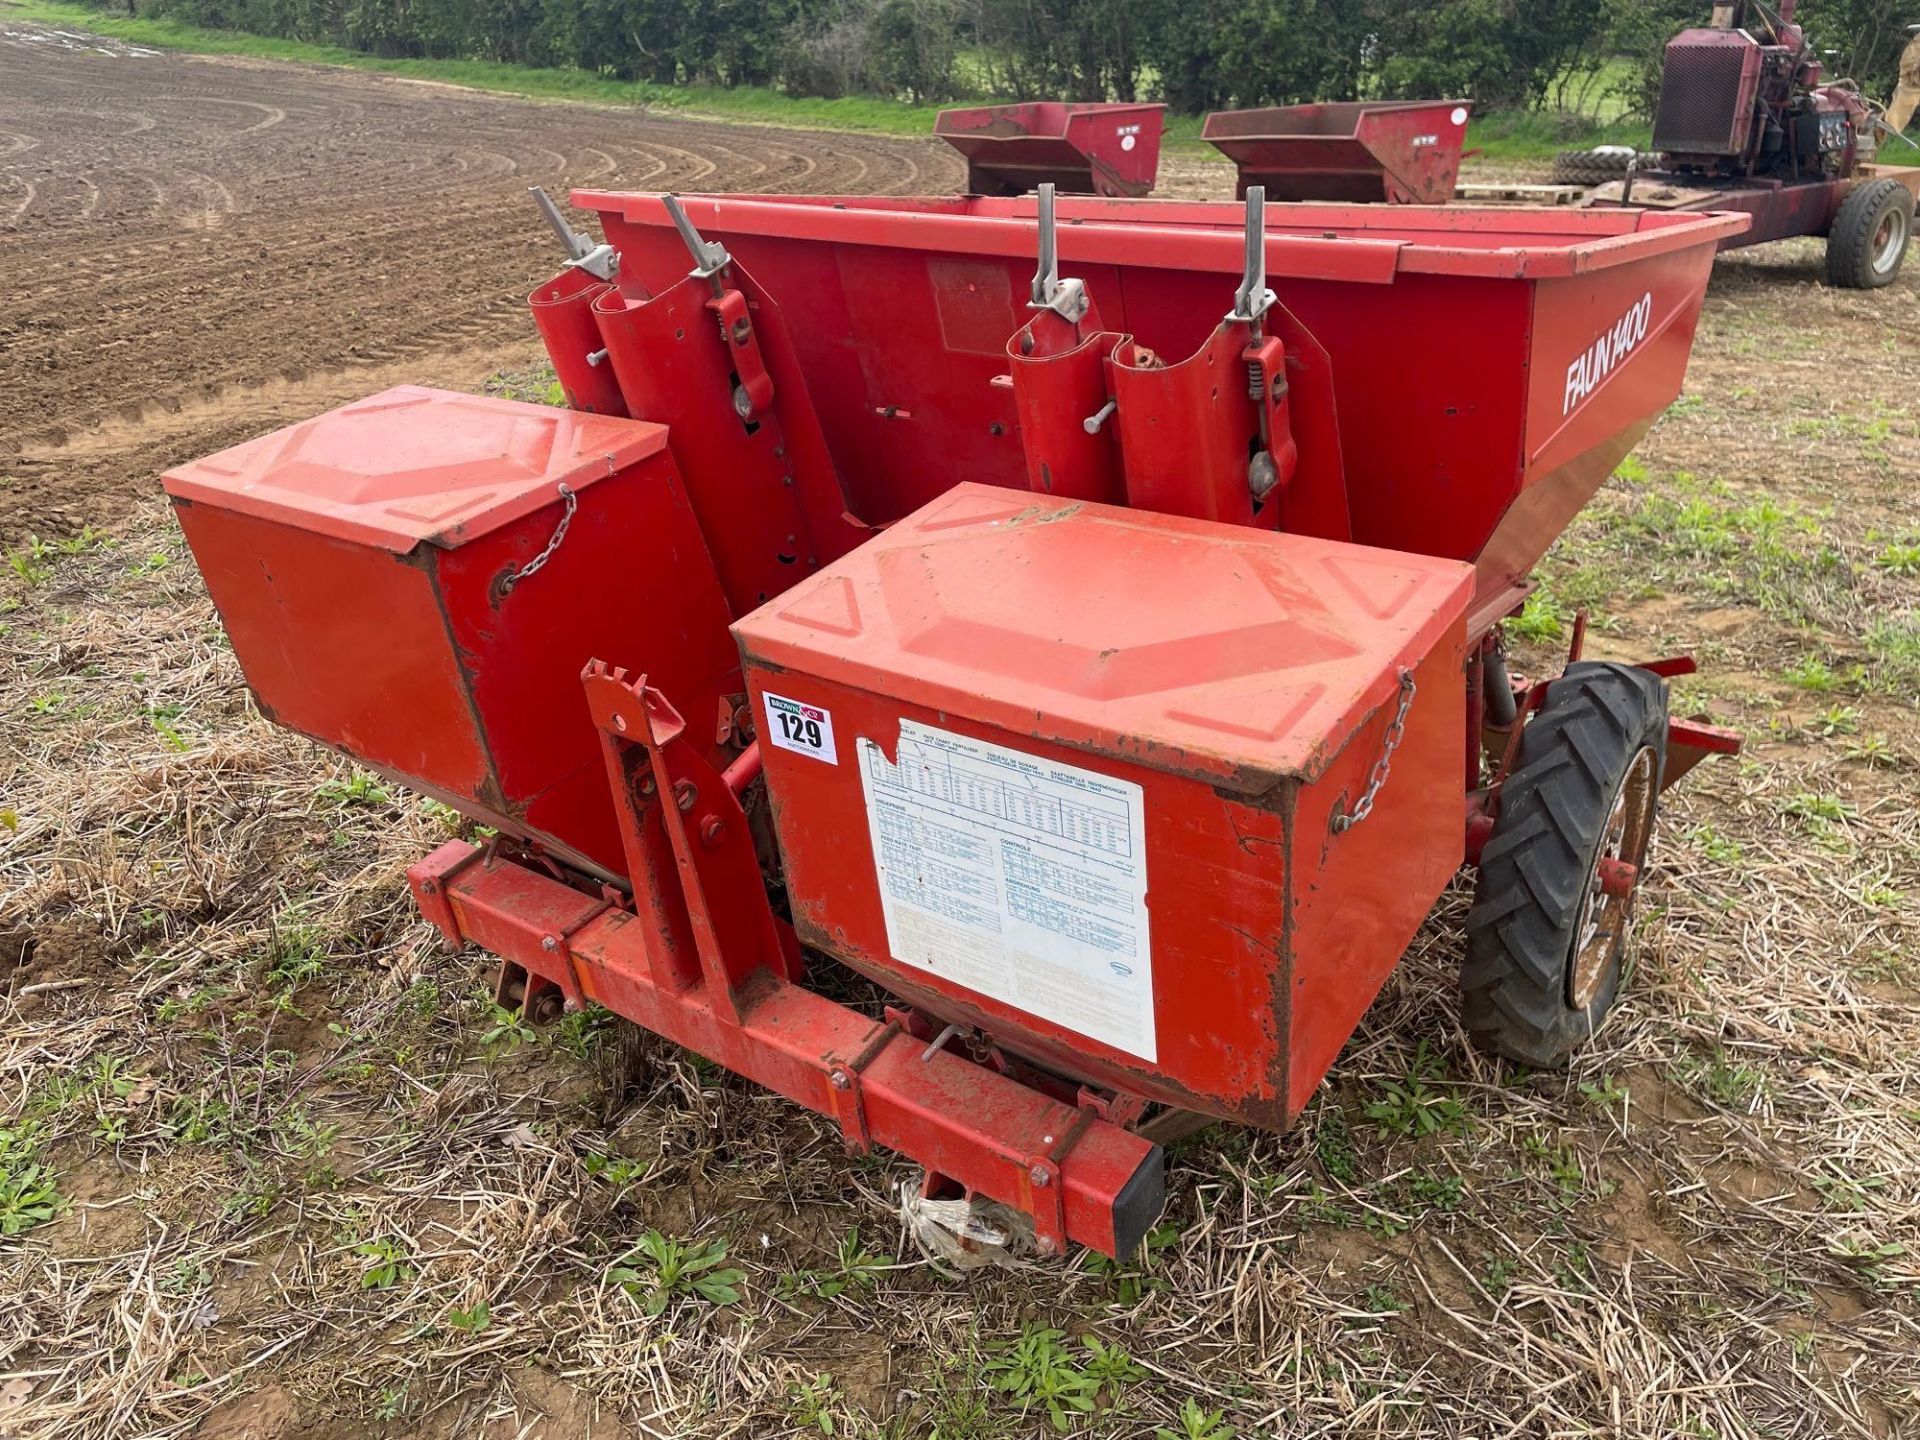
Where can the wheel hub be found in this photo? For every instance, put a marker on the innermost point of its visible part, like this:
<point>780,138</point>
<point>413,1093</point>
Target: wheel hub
<point>1889,240</point>
<point>1601,930</point>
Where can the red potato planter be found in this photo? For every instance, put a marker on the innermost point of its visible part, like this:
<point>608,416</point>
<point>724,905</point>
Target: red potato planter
<point>1081,147</point>
<point>1105,660</point>
<point>1402,152</point>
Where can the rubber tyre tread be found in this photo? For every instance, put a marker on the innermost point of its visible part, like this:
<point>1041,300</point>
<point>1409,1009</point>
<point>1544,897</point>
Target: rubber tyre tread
<point>1850,241</point>
<point>1589,167</point>
<point>1535,865</point>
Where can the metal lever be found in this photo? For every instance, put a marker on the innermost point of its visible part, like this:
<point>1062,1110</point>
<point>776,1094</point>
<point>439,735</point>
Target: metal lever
<point>1066,298</point>
<point>1880,121</point>
<point>710,257</point>
<point>599,261</point>
<point>1253,298</point>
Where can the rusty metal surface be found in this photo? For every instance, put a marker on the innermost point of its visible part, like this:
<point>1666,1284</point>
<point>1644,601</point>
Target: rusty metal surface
<point>1083,147</point>
<point>1778,209</point>
<point>1402,152</point>
<point>1709,83</point>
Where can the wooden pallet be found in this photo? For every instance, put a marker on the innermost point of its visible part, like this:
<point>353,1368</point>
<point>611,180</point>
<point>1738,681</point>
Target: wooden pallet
<point>1492,193</point>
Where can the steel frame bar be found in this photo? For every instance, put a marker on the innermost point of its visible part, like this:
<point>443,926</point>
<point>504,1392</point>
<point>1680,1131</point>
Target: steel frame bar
<point>701,959</point>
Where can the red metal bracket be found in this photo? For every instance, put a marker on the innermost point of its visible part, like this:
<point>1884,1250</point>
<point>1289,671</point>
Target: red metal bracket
<point>755,394</point>
<point>844,1077</point>
<point>720,892</point>
<point>1059,374</point>
<point>1185,430</point>
<point>1267,387</point>
<point>701,959</point>
<point>1688,743</point>
<point>1691,741</point>
<point>428,879</point>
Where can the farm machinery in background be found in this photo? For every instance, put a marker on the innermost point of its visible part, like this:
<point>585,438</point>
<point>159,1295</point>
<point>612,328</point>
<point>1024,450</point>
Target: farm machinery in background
<point>1081,618</point>
<point>1404,152</point>
<point>1400,152</point>
<point>1079,147</point>
<point>1745,123</point>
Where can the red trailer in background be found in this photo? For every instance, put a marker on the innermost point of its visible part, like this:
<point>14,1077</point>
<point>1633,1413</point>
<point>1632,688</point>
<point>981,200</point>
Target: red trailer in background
<point>1103,656</point>
<point>1081,148</point>
<point>1403,152</point>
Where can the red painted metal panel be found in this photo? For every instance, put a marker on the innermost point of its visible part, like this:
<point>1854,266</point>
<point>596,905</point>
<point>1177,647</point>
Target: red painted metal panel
<point>676,366</point>
<point>1221,650</point>
<point>1361,243</point>
<point>1085,148</point>
<point>306,611</point>
<point>1243,680</point>
<point>562,310</point>
<point>1609,347</point>
<point>1059,375</point>
<point>425,664</point>
<point>1426,319</point>
<point>1405,152</point>
<point>1187,428</point>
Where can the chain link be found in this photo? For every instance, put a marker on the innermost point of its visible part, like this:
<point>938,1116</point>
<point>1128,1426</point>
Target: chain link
<point>1396,732</point>
<point>559,534</point>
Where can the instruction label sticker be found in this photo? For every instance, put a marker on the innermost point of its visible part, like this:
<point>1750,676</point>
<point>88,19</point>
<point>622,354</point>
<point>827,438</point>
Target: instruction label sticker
<point>1022,878</point>
<point>802,728</point>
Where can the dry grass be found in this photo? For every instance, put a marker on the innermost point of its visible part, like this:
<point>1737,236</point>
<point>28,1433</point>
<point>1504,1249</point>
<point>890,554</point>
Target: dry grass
<point>296,1153</point>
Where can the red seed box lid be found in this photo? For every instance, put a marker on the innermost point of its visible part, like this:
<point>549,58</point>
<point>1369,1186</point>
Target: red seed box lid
<point>1237,654</point>
<point>413,464</point>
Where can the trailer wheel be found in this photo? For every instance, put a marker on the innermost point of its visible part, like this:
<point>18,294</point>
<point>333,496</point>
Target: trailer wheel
<point>1592,167</point>
<point>1546,938</point>
<point>1869,236</point>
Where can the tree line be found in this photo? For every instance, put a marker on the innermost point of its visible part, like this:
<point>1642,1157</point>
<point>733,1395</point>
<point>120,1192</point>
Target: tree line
<point>1195,54</point>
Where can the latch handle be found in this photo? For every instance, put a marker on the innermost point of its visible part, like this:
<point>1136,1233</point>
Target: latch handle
<point>710,257</point>
<point>1066,298</point>
<point>599,261</point>
<point>1253,299</point>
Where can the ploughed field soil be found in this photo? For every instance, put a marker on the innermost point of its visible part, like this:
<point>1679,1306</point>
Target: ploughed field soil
<point>193,247</point>
<point>272,1166</point>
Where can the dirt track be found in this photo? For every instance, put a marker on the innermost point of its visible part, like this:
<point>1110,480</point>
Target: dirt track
<point>199,245</point>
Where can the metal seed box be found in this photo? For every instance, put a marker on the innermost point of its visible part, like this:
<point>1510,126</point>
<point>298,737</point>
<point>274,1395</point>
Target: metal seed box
<point>1073,774</point>
<point>379,571</point>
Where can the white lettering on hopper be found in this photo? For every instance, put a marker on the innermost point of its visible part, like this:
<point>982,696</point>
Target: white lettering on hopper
<point>1592,366</point>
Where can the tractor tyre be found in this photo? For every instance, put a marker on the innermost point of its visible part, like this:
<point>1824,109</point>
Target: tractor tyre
<point>1869,236</point>
<point>1546,943</point>
<point>1591,167</point>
